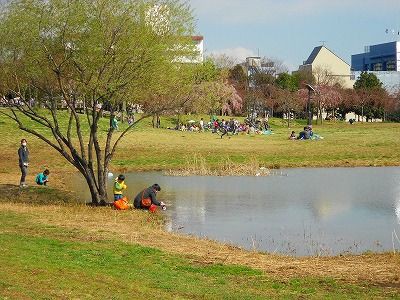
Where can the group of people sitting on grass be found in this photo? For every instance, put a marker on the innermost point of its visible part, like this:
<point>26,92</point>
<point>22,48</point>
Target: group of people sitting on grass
<point>225,127</point>
<point>145,199</point>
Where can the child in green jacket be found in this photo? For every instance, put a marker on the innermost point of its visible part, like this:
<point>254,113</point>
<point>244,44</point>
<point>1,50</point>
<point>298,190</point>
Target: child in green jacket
<point>119,187</point>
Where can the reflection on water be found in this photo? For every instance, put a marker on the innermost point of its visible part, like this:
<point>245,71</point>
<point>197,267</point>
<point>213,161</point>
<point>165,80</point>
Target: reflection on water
<point>308,212</point>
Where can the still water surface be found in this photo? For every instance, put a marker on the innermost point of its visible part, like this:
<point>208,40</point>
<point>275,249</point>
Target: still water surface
<point>323,211</point>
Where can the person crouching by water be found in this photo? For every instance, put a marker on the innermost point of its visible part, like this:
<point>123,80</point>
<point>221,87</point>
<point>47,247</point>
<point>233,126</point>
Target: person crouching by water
<point>42,178</point>
<point>147,199</point>
<point>119,187</point>
<point>23,155</point>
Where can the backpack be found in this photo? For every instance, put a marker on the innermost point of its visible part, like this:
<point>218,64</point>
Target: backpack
<point>145,202</point>
<point>121,204</point>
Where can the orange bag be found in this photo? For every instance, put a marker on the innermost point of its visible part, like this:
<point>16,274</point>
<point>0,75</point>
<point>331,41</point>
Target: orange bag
<point>152,208</point>
<point>146,202</point>
<point>121,204</point>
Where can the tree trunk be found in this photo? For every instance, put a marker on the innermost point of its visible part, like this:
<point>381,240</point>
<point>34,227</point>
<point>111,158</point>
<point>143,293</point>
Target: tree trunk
<point>102,182</point>
<point>96,199</point>
<point>123,111</point>
<point>362,114</point>
<point>158,121</point>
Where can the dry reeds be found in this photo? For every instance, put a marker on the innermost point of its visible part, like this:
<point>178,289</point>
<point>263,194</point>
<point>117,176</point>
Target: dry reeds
<point>196,165</point>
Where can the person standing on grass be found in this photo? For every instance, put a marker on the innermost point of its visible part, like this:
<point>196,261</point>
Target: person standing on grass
<point>119,187</point>
<point>201,123</point>
<point>23,155</point>
<point>114,123</point>
<point>42,178</point>
<point>223,128</point>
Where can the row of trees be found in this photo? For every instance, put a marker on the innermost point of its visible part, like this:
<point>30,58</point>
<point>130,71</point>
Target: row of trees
<point>220,87</point>
<point>286,94</point>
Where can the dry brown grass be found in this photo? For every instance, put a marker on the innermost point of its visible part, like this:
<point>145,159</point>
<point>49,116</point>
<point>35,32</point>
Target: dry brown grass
<point>196,164</point>
<point>139,227</point>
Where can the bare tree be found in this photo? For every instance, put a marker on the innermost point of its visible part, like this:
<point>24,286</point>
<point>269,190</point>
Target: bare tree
<point>223,61</point>
<point>273,66</point>
<point>288,103</point>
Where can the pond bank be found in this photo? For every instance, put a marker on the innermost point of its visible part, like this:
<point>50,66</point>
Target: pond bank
<point>377,269</point>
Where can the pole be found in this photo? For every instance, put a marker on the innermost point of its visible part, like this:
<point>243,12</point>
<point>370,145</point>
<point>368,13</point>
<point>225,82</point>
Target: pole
<point>309,107</point>
<point>309,110</point>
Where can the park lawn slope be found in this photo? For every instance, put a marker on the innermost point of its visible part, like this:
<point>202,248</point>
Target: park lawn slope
<point>42,261</point>
<point>145,148</point>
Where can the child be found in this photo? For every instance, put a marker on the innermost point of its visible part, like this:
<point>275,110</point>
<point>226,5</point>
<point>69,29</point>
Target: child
<point>292,136</point>
<point>119,186</point>
<point>114,123</point>
<point>42,178</point>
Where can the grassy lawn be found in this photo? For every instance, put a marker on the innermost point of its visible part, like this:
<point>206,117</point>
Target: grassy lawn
<point>145,148</point>
<point>41,261</point>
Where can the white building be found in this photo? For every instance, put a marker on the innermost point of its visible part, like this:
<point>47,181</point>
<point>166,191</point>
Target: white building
<point>323,59</point>
<point>198,42</point>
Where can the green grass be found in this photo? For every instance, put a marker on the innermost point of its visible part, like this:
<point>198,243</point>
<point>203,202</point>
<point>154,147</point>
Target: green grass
<point>145,148</point>
<point>47,262</point>
<point>37,195</point>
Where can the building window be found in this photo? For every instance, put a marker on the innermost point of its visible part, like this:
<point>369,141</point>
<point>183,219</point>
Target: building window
<point>391,66</point>
<point>377,67</point>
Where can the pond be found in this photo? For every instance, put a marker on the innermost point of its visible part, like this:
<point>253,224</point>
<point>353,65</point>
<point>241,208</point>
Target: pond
<point>300,212</point>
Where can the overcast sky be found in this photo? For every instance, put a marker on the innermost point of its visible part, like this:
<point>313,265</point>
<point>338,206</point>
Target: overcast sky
<point>289,29</point>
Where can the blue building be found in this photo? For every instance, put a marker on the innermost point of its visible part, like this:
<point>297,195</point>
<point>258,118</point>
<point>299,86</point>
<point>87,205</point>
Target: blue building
<point>381,57</point>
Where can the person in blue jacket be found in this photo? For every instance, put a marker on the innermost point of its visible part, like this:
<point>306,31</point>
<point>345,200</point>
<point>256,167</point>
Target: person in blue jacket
<point>43,178</point>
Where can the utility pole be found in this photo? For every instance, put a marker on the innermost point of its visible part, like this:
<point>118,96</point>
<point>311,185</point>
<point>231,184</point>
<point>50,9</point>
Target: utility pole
<point>311,91</point>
